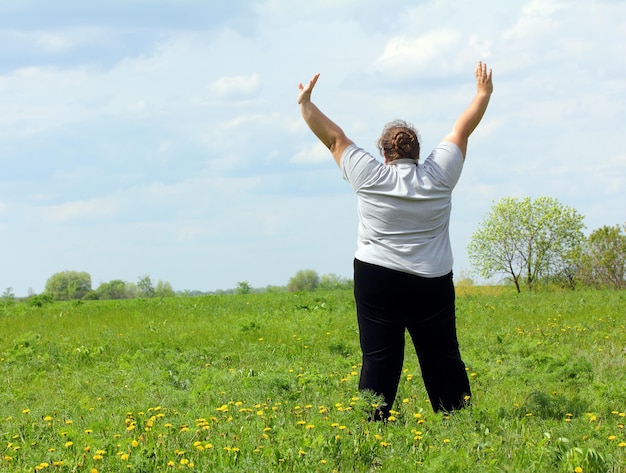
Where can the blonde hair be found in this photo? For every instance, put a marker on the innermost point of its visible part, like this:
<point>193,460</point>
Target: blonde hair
<point>399,140</point>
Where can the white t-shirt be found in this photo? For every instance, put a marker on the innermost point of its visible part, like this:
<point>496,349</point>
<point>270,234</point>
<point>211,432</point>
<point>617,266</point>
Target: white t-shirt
<point>404,209</point>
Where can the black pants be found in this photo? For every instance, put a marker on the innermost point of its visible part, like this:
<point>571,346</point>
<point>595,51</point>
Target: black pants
<point>389,302</point>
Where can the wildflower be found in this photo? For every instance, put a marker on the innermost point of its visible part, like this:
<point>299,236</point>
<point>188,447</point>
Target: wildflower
<point>612,437</point>
<point>124,456</point>
<point>385,444</point>
<point>47,419</point>
<point>621,444</point>
<point>88,431</point>
<point>310,426</point>
<point>578,469</point>
<point>134,443</point>
<point>446,440</point>
<point>68,444</point>
<point>26,411</point>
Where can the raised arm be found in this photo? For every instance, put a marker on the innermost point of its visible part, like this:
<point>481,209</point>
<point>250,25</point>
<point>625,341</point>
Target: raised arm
<point>323,127</point>
<point>470,118</point>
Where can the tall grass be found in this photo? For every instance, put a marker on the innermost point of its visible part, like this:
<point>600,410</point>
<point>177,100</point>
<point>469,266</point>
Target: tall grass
<point>262,382</point>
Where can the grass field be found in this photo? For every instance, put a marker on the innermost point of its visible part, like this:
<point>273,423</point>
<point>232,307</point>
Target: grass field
<point>268,382</point>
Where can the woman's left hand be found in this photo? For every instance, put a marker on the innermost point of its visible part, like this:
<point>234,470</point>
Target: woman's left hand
<point>305,91</point>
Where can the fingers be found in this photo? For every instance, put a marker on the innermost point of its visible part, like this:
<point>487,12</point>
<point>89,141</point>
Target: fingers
<point>481,71</point>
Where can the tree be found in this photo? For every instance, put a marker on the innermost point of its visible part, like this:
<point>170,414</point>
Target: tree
<point>243,287</point>
<point>304,280</point>
<point>603,262</point>
<point>114,289</point>
<point>531,240</point>
<point>67,285</point>
<point>164,289</point>
<point>145,287</point>
<point>331,282</point>
<point>8,296</point>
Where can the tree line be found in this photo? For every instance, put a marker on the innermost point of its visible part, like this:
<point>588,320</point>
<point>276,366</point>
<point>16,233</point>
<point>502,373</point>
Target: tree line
<point>531,242</point>
<point>77,285</point>
<point>535,242</point>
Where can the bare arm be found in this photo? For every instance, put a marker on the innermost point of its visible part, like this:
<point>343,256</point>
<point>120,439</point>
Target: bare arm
<point>470,118</point>
<point>323,127</point>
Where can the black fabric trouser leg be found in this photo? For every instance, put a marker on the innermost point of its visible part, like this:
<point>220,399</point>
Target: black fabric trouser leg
<point>390,302</point>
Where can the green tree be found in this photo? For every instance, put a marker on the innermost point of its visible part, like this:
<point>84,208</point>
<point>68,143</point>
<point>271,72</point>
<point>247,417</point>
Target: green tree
<point>603,261</point>
<point>530,240</point>
<point>145,287</point>
<point>304,280</point>
<point>164,289</point>
<point>332,282</point>
<point>67,285</point>
<point>8,296</point>
<point>243,287</point>
<point>114,289</point>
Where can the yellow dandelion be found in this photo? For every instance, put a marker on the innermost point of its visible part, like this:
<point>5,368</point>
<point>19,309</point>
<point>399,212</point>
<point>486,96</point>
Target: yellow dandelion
<point>47,418</point>
<point>446,440</point>
<point>612,437</point>
<point>68,444</point>
<point>134,443</point>
<point>310,426</point>
<point>26,411</point>
<point>578,470</point>
<point>621,444</point>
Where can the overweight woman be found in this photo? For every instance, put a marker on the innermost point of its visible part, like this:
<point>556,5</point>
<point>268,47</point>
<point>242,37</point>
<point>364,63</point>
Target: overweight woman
<point>403,262</point>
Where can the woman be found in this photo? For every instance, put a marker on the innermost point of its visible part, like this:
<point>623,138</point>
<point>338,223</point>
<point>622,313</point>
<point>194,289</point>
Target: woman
<point>403,263</point>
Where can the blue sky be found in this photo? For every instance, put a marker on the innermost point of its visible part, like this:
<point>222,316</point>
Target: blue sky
<point>163,137</point>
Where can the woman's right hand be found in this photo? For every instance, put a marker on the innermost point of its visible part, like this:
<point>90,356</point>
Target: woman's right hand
<point>483,78</point>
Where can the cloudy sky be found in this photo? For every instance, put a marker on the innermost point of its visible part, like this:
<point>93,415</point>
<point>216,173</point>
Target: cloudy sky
<point>163,137</point>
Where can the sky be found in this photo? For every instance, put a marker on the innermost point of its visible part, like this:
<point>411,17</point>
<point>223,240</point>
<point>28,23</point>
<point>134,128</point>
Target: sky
<point>163,137</point>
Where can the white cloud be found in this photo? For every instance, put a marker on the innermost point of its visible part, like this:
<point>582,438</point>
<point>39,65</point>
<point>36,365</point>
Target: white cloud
<point>236,86</point>
<point>538,17</point>
<point>430,50</point>
<point>313,154</point>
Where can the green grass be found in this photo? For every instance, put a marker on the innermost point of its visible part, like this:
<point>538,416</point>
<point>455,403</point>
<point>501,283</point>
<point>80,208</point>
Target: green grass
<point>268,382</point>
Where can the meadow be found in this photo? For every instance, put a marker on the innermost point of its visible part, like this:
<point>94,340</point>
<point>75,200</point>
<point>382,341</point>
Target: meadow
<point>268,383</point>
